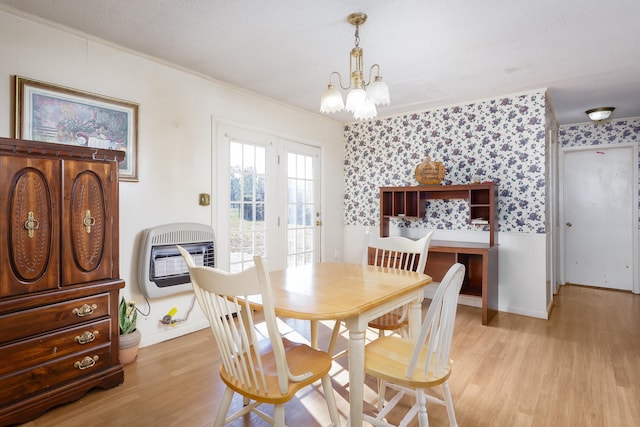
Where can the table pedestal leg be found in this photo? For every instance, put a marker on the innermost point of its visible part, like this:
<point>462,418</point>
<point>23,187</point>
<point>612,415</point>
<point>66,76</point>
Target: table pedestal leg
<point>357,332</point>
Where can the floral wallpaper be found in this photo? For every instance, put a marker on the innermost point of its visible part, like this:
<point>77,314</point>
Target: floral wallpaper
<point>613,132</point>
<point>500,140</point>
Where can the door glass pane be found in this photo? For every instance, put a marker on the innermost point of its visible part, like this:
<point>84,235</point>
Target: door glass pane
<point>308,216</point>
<point>309,191</point>
<point>308,240</point>
<point>247,229</point>
<point>300,209</point>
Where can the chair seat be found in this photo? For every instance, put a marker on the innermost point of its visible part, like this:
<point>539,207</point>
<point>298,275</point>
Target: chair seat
<point>387,358</point>
<point>301,358</point>
<point>391,321</point>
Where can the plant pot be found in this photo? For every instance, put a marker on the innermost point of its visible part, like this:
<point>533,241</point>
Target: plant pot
<point>128,347</point>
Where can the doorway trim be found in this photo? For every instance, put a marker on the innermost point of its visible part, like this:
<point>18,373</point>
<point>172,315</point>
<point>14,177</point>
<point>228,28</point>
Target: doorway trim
<point>635,287</point>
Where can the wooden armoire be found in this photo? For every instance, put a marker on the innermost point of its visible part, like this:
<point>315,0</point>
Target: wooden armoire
<point>59,275</point>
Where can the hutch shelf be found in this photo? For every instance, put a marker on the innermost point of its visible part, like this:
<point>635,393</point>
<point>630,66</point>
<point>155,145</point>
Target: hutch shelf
<point>480,259</point>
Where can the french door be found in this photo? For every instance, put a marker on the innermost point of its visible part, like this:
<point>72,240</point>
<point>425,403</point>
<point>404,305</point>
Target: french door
<point>267,200</point>
<point>303,211</point>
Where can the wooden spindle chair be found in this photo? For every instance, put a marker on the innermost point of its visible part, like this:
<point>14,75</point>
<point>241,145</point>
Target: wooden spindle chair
<point>414,366</point>
<point>263,369</point>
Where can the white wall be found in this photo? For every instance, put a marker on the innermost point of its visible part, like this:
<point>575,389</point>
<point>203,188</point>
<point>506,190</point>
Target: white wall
<point>177,140</point>
<point>519,272</point>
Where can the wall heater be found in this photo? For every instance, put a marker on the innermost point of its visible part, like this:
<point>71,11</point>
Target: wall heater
<point>161,269</point>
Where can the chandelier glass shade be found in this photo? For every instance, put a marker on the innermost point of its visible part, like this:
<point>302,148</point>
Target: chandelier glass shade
<point>356,100</point>
<point>331,100</point>
<point>379,92</point>
<point>363,95</point>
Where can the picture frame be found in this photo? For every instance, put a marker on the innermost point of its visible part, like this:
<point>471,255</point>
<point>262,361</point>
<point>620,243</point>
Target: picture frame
<point>60,115</point>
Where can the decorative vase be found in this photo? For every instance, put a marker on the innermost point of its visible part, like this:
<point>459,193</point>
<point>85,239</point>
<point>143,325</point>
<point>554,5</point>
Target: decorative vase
<point>129,344</point>
<point>429,172</point>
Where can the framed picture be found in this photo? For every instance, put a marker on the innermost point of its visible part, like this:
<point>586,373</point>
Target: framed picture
<point>49,113</point>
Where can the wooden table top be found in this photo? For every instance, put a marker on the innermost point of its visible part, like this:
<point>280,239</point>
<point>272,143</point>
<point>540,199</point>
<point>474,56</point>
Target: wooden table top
<point>338,290</point>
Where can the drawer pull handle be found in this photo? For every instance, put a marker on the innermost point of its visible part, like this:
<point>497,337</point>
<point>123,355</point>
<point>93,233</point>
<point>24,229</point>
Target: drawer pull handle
<point>86,337</point>
<point>88,221</point>
<point>85,310</point>
<point>87,362</point>
<point>31,224</point>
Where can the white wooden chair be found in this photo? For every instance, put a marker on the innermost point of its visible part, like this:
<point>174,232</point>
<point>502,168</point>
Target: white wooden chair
<point>263,369</point>
<point>392,252</point>
<point>413,366</point>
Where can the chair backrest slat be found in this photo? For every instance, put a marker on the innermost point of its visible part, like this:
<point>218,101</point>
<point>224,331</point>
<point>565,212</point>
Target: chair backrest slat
<point>437,330</point>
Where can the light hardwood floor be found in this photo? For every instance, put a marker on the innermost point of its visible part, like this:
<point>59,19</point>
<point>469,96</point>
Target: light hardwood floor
<point>579,368</point>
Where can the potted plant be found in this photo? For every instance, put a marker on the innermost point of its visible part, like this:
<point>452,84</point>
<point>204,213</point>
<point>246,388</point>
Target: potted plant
<point>129,335</point>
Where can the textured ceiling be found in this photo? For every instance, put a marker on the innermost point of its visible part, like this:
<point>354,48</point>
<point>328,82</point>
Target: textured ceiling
<point>431,53</point>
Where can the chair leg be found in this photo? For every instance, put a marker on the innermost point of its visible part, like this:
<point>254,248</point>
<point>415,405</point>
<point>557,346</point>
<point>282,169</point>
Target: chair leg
<point>334,338</point>
<point>423,419</point>
<point>449,404</point>
<point>278,415</point>
<point>404,332</point>
<point>330,397</point>
<point>224,408</point>
<point>382,391</point>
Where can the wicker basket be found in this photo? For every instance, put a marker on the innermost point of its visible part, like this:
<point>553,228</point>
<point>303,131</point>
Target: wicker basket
<point>430,172</point>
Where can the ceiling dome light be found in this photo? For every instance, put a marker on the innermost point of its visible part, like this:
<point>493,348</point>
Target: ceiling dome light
<point>602,113</point>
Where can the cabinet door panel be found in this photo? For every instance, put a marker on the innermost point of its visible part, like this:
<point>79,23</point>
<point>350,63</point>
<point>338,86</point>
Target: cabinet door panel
<point>87,235</point>
<point>30,199</point>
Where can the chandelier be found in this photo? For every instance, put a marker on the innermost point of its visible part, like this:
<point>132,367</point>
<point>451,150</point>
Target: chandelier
<point>362,103</point>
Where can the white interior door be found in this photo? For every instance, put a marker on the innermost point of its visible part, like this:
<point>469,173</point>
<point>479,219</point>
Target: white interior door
<point>598,221</point>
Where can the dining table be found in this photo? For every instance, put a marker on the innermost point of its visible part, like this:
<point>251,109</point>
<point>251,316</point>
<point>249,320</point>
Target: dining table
<point>353,293</point>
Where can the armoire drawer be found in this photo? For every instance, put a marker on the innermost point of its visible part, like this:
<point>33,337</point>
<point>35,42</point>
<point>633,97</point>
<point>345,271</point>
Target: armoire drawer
<point>41,378</point>
<point>43,348</point>
<point>39,320</point>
